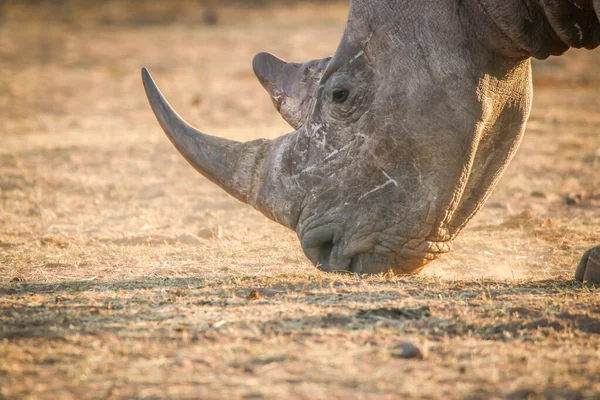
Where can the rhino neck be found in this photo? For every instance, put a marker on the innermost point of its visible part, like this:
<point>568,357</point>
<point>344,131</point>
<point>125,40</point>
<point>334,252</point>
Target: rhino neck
<point>535,28</point>
<point>486,103</point>
<point>509,32</point>
<point>505,96</point>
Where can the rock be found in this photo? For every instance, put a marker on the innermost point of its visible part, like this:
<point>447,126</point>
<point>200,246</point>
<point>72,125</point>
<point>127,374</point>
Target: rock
<point>498,204</point>
<point>588,269</point>
<point>152,193</point>
<point>336,319</point>
<point>144,240</point>
<point>407,350</point>
<point>4,245</point>
<point>254,295</point>
<point>188,238</point>
<point>210,16</point>
<point>396,313</point>
<point>268,292</point>
<point>257,294</point>
<point>196,100</point>
<point>34,212</point>
<point>211,233</point>
<point>56,265</point>
<point>574,199</point>
<point>539,194</point>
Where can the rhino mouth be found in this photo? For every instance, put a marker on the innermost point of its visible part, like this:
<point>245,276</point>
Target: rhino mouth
<point>408,256</point>
<point>411,262</point>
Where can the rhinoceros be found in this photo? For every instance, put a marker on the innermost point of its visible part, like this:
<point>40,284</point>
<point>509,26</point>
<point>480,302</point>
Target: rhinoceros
<point>401,135</point>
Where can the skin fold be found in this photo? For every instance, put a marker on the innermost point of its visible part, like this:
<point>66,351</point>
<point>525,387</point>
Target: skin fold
<point>401,135</point>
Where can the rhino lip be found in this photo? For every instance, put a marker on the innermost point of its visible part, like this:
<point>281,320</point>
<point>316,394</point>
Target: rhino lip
<point>415,254</point>
<point>321,244</point>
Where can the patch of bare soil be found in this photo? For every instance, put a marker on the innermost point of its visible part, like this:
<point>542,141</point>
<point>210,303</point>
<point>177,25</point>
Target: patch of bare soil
<point>124,274</point>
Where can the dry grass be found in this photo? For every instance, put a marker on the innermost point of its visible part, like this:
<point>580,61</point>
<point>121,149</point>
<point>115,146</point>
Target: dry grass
<point>105,294</point>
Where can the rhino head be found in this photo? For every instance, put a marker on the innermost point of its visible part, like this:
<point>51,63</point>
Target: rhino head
<point>400,136</point>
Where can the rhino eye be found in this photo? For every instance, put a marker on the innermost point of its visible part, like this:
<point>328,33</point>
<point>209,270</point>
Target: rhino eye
<point>340,95</point>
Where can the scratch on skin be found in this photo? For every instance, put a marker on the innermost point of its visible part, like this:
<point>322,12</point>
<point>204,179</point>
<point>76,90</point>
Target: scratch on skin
<point>390,181</point>
<point>316,129</point>
<point>304,171</point>
<point>319,135</point>
<point>357,56</point>
<point>308,169</point>
<point>336,152</point>
<point>361,53</point>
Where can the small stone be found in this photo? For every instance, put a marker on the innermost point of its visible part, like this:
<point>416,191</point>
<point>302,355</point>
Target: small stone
<point>152,193</point>
<point>253,396</point>
<point>407,350</point>
<point>211,16</point>
<point>205,233</point>
<point>196,100</point>
<point>34,212</point>
<point>396,313</point>
<point>539,194</point>
<point>267,292</point>
<point>254,295</point>
<point>526,215</point>
<point>497,204</point>
<point>188,238</point>
<point>573,199</point>
<point>211,233</point>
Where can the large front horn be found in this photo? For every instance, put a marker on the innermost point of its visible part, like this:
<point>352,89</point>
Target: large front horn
<point>232,165</point>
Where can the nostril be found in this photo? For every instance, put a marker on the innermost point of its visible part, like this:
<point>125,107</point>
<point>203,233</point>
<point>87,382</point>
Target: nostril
<point>325,255</point>
<point>325,249</point>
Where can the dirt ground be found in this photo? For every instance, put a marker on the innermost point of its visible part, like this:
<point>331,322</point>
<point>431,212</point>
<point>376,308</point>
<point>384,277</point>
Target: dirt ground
<point>125,274</point>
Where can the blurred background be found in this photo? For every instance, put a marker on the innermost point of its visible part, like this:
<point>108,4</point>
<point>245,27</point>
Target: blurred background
<point>46,45</point>
<point>52,51</point>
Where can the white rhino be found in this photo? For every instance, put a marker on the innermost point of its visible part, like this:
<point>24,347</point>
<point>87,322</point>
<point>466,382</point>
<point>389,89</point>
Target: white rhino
<point>401,135</point>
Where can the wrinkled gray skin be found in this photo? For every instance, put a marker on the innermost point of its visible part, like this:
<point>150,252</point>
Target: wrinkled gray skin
<point>400,136</point>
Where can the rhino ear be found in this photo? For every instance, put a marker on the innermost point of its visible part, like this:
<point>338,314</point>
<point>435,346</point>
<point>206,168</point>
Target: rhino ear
<point>267,68</point>
<point>281,80</point>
